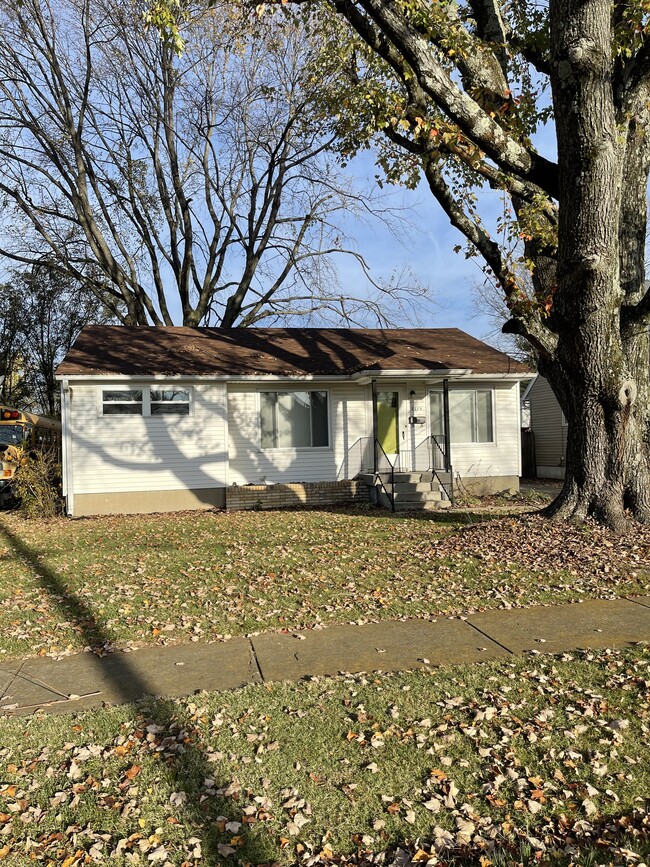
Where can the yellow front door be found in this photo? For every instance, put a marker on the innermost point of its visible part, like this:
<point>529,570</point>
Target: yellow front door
<point>387,421</point>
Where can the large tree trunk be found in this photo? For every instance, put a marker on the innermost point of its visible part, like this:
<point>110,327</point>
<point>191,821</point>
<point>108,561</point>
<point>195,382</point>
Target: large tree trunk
<point>599,370</point>
<point>606,408</point>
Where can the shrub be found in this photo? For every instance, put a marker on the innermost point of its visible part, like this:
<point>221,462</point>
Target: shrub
<point>37,485</point>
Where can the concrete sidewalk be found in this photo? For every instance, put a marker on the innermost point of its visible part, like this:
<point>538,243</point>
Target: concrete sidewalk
<point>85,680</point>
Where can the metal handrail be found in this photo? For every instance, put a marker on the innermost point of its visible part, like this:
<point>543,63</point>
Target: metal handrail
<point>437,449</point>
<point>391,495</point>
<point>356,460</point>
<point>360,446</point>
<point>448,468</point>
<point>359,450</point>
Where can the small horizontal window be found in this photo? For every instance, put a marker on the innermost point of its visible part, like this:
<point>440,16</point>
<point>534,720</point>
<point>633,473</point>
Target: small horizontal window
<point>170,401</point>
<point>122,402</point>
<point>146,401</point>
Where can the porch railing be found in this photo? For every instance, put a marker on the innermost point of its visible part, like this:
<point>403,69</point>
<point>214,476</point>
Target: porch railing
<point>383,465</point>
<point>432,455</point>
<point>367,455</point>
<point>441,462</point>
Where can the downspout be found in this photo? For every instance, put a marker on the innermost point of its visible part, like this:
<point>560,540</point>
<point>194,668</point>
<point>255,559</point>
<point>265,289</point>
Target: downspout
<point>66,456</point>
<point>447,426</point>
<point>445,421</point>
<point>521,429</point>
<point>375,462</point>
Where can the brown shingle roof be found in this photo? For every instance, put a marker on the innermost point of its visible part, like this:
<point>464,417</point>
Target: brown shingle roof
<point>103,350</point>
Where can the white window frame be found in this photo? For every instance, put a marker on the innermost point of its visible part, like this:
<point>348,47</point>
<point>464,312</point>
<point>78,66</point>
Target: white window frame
<point>491,392</point>
<point>146,400</point>
<point>167,387</point>
<point>276,390</point>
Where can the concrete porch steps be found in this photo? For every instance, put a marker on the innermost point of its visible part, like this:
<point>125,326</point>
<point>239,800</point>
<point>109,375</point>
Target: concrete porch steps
<point>411,491</point>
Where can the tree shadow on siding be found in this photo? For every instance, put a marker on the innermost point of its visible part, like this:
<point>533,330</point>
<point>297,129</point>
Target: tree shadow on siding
<point>164,453</point>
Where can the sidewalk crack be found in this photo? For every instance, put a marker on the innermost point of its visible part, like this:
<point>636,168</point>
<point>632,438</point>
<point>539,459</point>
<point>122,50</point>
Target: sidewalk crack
<point>14,677</point>
<point>256,660</point>
<point>489,637</point>
<point>637,601</point>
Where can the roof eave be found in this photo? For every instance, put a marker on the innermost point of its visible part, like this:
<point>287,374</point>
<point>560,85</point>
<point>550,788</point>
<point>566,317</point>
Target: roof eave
<point>360,377</point>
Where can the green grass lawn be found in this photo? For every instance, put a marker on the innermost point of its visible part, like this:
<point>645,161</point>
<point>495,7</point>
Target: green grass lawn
<point>136,580</point>
<point>533,761</point>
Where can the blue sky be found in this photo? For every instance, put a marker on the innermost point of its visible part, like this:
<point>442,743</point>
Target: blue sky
<point>427,249</point>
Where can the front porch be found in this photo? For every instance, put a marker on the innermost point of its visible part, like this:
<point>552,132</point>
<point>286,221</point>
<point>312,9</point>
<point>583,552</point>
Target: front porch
<point>400,491</point>
<point>413,478</point>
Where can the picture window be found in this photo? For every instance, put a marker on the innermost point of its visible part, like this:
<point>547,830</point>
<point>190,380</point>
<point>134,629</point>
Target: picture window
<point>294,419</point>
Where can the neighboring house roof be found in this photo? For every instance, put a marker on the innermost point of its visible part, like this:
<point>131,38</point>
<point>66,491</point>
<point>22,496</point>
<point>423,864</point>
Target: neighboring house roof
<point>104,350</point>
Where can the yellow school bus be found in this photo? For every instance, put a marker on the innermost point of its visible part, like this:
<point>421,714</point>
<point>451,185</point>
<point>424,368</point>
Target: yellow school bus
<point>20,433</point>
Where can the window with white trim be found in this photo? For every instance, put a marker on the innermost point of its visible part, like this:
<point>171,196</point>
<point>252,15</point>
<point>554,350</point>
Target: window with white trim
<point>294,419</point>
<point>146,401</point>
<point>121,402</point>
<point>170,401</point>
<point>470,415</point>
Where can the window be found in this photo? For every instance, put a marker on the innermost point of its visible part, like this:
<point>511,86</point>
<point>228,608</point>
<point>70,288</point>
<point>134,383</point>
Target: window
<point>11,434</point>
<point>470,416</point>
<point>170,401</point>
<point>121,402</point>
<point>146,401</point>
<point>293,419</point>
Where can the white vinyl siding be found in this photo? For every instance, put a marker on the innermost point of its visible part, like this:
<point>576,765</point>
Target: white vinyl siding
<point>549,426</point>
<point>501,456</point>
<point>151,452</point>
<point>249,463</point>
<point>219,443</point>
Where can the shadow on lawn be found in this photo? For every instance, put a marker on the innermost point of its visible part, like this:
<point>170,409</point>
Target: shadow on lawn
<point>175,738</point>
<point>453,517</point>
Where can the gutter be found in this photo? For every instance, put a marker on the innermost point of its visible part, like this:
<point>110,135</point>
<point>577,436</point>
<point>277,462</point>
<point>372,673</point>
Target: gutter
<point>66,446</point>
<point>362,377</point>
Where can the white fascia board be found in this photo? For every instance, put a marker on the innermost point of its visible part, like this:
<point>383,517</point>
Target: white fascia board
<point>357,378</point>
<point>407,374</point>
<point>363,377</point>
<point>360,378</point>
<point>483,377</point>
<point>93,378</point>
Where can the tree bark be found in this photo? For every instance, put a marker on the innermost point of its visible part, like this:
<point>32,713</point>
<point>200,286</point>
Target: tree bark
<point>605,402</point>
<point>599,370</point>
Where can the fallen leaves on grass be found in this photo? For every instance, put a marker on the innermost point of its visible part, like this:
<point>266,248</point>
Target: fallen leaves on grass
<point>114,583</point>
<point>588,559</point>
<point>546,756</point>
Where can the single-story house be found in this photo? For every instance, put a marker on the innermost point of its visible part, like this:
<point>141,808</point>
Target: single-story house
<point>167,418</point>
<point>549,427</point>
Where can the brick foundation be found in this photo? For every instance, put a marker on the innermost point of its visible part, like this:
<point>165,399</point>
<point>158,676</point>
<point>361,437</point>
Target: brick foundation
<point>295,494</point>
